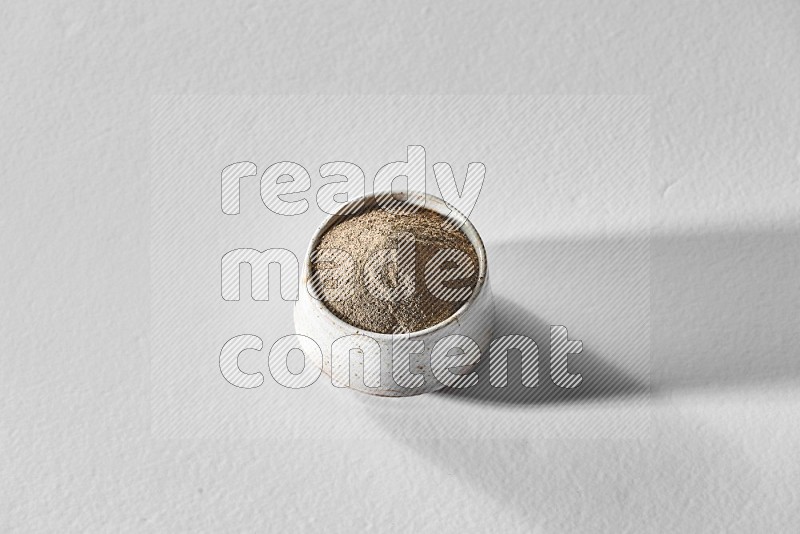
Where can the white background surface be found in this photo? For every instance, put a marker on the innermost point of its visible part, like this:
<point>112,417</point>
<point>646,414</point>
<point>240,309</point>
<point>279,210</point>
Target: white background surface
<point>77,449</point>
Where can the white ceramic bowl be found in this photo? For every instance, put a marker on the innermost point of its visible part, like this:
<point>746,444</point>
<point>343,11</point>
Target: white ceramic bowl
<point>474,319</point>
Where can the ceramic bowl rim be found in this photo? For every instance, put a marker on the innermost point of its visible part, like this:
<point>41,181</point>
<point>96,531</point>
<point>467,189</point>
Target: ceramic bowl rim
<point>417,198</point>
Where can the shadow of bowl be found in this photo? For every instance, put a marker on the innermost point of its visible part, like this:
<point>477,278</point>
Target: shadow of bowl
<point>600,379</point>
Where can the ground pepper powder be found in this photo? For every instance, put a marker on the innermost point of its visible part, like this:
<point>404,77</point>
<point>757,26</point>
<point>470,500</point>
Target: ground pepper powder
<point>363,234</point>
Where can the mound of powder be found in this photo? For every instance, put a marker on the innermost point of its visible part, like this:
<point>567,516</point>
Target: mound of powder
<point>363,236</point>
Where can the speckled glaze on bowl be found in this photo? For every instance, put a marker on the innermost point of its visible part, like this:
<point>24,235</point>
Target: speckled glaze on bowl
<point>474,319</point>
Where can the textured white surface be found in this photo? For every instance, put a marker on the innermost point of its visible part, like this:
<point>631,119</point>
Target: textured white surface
<point>77,451</point>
